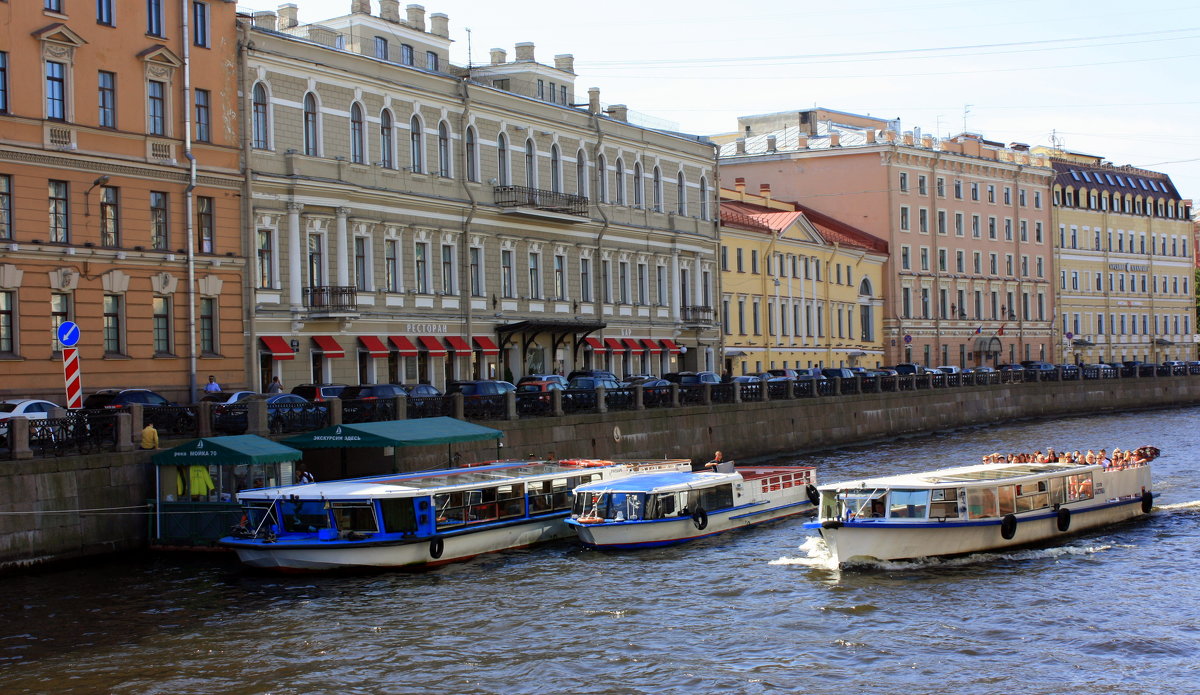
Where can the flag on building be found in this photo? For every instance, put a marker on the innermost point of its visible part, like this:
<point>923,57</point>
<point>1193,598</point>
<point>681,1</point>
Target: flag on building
<point>1001,331</point>
<point>979,330</point>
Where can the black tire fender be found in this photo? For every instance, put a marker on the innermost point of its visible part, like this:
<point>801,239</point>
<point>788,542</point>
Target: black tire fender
<point>700,518</point>
<point>814,495</point>
<point>1064,519</point>
<point>1147,501</point>
<point>831,523</point>
<point>1008,527</point>
<point>436,547</point>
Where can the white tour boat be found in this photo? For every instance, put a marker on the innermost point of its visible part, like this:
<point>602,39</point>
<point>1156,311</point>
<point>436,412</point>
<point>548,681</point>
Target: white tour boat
<point>989,506</point>
<point>413,520</point>
<point>664,508</point>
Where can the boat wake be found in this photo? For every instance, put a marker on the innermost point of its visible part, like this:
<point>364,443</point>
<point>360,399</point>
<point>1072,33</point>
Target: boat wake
<point>817,556</point>
<point>1194,504</point>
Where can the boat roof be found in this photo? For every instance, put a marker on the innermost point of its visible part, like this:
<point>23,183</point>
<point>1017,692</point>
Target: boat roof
<point>662,482</point>
<point>432,481</point>
<point>978,473</point>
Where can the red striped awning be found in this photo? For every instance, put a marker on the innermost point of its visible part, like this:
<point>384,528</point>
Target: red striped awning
<point>329,346</point>
<point>278,347</point>
<point>671,346</point>
<point>632,344</point>
<point>374,346</point>
<point>487,345</point>
<point>403,345</point>
<point>613,344</point>
<point>430,343</point>
<point>457,344</point>
<point>652,346</point>
<point>595,343</point>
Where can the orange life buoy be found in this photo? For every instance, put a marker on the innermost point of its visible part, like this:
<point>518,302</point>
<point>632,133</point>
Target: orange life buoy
<point>586,463</point>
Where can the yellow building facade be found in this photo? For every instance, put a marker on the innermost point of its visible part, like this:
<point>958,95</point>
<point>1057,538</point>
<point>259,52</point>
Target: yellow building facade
<point>1124,244</point>
<point>798,288</point>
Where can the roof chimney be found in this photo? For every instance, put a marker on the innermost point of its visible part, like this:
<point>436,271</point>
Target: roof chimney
<point>770,144</point>
<point>870,137</point>
<point>908,137</point>
<point>927,141</point>
<point>740,146</point>
<point>565,62</point>
<point>739,184</point>
<point>439,25</point>
<point>287,16</point>
<point>264,19</point>
<point>499,56</point>
<point>416,16</point>
<point>764,190</point>
<point>835,139</point>
<point>593,100</point>
<point>389,10</point>
<point>802,142</point>
<point>525,51</point>
<point>619,112</point>
<point>360,6</point>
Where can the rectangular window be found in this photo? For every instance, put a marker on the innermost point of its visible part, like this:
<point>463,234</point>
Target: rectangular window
<point>3,82</point>
<point>960,261</point>
<point>104,12</point>
<point>754,261</point>
<point>643,284</point>
<point>560,277</point>
<point>662,285</point>
<point>975,226</point>
<point>740,265</point>
<point>924,258</point>
<point>361,262</point>
<point>553,94</point>
<point>56,90</point>
<point>208,325</point>
<point>991,193</point>
<point>905,224</point>
<point>923,220</point>
<point>161,308</point>
<point>903,182</point>
<point>535,276</point>
<point>60,213</point>
<point>112,324</point>
<point>958,224</point>
<point>958,189</point>
<point>941,222</point>
<point>922,185</point>
<point>200,24</point>
<point>60,311</point>
<point>942,260</point>
<point>154,17</point>
<point>316,260</point>
<point>110,217</point>
<point>992,228</point>
<point>406,54</point>
<point>448,284</point>
<point>265,259</point>
<point>5,206</point>
<point>421,268</point>
<point>562,93</point>
<point>159,231</point>
<point>507,281</point>
<point>941,187</point>
<point>585,279</point>
<point>381,48</point>
<point>8,333</point>
<point>156,108</point>
<point>905,262</point>
<point>203,116</point>
<point>974,191</point>
<point>431,61</point>
<point>541,89</point>
<point>605,282</point>
<point>623,282</point>
<point>1007,195</point>
<point>107,99</point>
<point>204,224</point>
<point>391,265</point>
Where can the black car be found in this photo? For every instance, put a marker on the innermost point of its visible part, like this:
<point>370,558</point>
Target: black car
<point>481,397</point>
<point>689,378</point>
<point>598,373</point>
<point>120,398</point>
<point>370,402</point>
<point>167,417</point>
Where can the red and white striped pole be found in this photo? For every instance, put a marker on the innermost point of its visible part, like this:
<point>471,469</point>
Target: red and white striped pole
<point>73,377</point>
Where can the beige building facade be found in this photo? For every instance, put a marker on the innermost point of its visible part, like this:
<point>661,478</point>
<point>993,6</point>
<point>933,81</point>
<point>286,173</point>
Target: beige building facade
<point>798,288</point>
<point>414,221</point>
<point>966,220</point>
<point>1124,242</point>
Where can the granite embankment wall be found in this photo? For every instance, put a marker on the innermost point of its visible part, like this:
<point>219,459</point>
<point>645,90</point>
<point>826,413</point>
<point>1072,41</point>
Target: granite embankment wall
<point>61,509</point>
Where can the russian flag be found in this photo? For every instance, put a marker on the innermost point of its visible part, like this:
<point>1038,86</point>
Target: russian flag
<point>979,330</point>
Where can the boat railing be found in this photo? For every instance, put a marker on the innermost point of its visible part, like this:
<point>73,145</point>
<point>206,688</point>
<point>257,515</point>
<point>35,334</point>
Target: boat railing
<point>783,481</point>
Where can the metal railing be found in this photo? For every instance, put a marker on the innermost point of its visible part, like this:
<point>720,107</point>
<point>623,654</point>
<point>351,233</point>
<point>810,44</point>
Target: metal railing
<point>550,201</point>
<point>331,298</point>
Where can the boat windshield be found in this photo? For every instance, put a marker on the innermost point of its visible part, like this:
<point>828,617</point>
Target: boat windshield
<point>610,506</point>
<point>861,502</point>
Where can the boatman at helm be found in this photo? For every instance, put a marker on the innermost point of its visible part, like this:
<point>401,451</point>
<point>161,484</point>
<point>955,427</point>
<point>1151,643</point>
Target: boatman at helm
<point>719,465</point>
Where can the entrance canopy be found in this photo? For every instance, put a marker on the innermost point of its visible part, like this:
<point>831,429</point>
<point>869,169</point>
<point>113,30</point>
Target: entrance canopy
<point>242,449</point>
<point>421,432</point>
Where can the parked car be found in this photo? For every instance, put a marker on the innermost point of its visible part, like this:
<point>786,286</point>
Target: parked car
<point>479,387</point>
<point>286,412</point>
<point>602,373</point>
<point>318,392</point>
<point>906,368</point>
<point>32,409</point>
<point>559,378</point>
<point>810,374</point>
<point>415,392</point>
<point>983,368</point>
<point>592,383</point>
<point>631,379</point>
<point>837,372</point>
<point>788,373</point>
<point>165,419</point>
<point>949,369</point>
<point>1039,366</point>
<point>533,396</point>
<point>358,401</point>
<point>120,398</point>
<point>227,396</point>
<point>685,378</point>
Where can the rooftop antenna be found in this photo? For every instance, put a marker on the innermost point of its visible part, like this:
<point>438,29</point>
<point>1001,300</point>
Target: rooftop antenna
<point>966,111</point>
<point>470,62</point>
<point>1055,141</point>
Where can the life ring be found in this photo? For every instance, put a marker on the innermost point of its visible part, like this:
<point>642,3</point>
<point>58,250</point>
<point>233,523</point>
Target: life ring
<point>586,463</point>
<point>1147,501</point>
<point>1008,527</point>
<point>700,518</point>
<point>436,547</point>
<point>1064,519</point>
<point>814,496</point>
<point>589,520</point>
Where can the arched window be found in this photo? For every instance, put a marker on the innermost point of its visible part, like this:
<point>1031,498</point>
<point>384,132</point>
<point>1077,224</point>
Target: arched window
<point>471,153</point>
<point>443,149</point>
<point>416,145</point>
<point>658,190</point>
<point>620,181</point>
<point>530,164</point>
<point>581,177</point>
<point>703,198</point>
<point>261,128</point>
<point>386,146</point>
<point>681,194</point>
<point>866,312</point>
<point>637,184</point>
<point>555,170</point>
<point>864,288</point>
<point>602,179</point>
<point>357,146</point>
<point>502,159</point>
<point>312,137</point>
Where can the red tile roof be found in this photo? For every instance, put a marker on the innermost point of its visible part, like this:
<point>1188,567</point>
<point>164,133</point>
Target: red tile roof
<point>753,217</point>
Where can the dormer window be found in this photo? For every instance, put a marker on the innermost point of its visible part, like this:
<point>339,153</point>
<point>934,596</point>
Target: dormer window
<point>406,54</point>
<point>431,61</point>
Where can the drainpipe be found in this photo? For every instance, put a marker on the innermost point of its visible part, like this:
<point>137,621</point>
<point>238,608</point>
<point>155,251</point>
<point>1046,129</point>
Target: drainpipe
<point>249,239</point>
<point>598,297</point>
<point>464,263</point>
<point>189,200</point>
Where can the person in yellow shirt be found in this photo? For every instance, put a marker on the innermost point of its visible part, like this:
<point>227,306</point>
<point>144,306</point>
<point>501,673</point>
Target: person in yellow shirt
<point>149,436</point>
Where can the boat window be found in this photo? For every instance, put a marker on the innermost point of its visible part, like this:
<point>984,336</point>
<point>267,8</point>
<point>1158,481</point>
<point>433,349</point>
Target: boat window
<point>510,499</point>
<point>863,503</point>
<point>303,516</point>
<point>449,506</point>
<point>981,502</point>
<point>1007,499</point>
<point>355,516</point>
<point>1079,487</point>
<point>256,511</point>
<point>612,506</point>
<point>541,497</point>
<point>909,504</point>
<point>1032,496</point>
<point>398,515</point>
<point>710,498</point>
<point>944,504</point>
<point>562,492</point>
<point>1058,490</point>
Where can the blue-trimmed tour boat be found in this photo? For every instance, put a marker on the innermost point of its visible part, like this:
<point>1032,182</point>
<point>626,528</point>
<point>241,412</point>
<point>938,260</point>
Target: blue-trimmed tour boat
<point>985,507</point>
<point>664,508</point>
<point>413,520</point>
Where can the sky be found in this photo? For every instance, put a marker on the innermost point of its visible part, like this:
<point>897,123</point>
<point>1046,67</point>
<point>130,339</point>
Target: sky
<point>1115,79</point>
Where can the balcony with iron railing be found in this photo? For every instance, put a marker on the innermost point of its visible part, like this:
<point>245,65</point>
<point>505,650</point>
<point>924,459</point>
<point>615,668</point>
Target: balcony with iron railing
<point>522,199</point>
<point>697,314</point>
<point>331,300</point>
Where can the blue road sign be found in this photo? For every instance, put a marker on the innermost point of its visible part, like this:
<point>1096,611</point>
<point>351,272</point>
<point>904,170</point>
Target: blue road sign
<point>68,333</point>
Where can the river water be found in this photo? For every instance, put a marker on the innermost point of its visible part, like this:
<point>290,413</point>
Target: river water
<point>758,611</point>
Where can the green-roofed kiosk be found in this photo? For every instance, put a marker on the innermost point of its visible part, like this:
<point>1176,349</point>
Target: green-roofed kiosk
<point>197,484</point>
<point>395,434</point>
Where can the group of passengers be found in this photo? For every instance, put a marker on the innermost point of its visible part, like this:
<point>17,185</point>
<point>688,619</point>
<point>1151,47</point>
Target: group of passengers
<point>1119,459</point>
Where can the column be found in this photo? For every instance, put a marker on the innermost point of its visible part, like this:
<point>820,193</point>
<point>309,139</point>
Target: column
<point>675,313</point>
<point>343,264</point>
<point>295,253</point>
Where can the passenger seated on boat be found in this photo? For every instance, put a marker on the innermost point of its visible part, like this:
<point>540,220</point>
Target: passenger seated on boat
<point>877,508</point>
